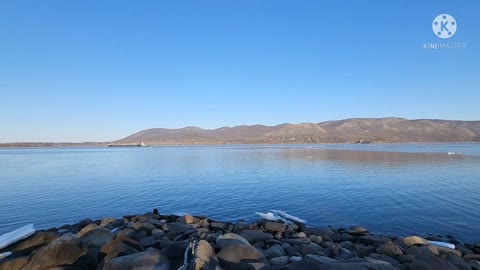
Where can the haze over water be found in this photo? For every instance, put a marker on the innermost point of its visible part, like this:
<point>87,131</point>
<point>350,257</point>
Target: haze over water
<point>400,189</point>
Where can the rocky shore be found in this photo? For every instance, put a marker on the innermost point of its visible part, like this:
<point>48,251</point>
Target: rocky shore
<point>155,241</point>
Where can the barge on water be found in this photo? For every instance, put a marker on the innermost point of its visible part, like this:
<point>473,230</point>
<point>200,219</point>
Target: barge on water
<point>128,145</point>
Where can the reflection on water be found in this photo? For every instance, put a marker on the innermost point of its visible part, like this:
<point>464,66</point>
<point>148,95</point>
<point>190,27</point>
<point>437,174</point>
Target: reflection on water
<point>397,189</point>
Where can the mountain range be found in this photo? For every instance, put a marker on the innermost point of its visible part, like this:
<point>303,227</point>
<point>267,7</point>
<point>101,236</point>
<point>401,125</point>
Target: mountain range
<point>355,130</point>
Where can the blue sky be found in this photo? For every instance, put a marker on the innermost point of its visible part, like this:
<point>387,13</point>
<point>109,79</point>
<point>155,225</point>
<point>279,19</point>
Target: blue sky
<point>101,70</point>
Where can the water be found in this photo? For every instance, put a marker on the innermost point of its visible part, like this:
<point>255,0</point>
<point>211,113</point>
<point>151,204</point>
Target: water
<point>400,189</point>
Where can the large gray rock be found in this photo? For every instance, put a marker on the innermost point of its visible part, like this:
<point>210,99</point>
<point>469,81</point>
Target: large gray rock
<point>64,250</point>
<point>389,249</point>
<point>89,227</point>
<point>151,259</point>
<point>319,259</point>
<point>31,243</point>
<point>358,264</point>
<point>411,241</point>
<point>229,239</point>
<point>371,239</point>
<point>275,251</point>
<point>275,227</point>
<point>178,227</point>
<point>236,257</point>
<point>14,263</point>
<point>279,261</point>
<point>97,237</point>
<point>428,261</point>
<point>253,236</point>
<point>458,262</point>
<point>204,257</point>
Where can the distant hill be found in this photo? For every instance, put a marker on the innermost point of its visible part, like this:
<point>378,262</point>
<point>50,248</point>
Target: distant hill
<point>355,130</point>
<point>365,130</point>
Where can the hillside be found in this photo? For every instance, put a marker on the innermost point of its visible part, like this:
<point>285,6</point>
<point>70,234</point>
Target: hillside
<point>387,130</point>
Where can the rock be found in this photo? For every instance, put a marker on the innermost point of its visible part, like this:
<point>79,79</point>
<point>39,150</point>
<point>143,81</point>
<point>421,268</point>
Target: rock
<point>364,251</point>
<point>217,226</point>
<point>295,259</point>
<point>294,251</point>
<point>472,257</point>
<point>97,237</point>
<point>148,241</point>
<point>151,259</point>
<point>275,227</point>
<point>175,249</point>
<point>230,239</point>
<point>316,239</point>
<point>66,268</point>
<point>278,261</point>
<point>322,232</point>
<point>389,249</point>
<point>89,227</point>
<point>372,239</point>
<point>253,236</point>
<point>416,250</point>
<point>428,261</point>
<point>474,264</point>
<point>319,259</point>
<point>14,263</point>
<point>31,243</point>
<point>84,222</point>
<point>188,219</point>
<point>458,262</point>
<point>345,254</point>
<point>257,266</point>
<point>177,227</point>
<point>144,227</point>
<point>64,250</point>
<point>128,232</point>
<point>405,258</point>
<point>107,248</point>
<point>446,251</point>
<point>299,235</point>
<point>385,258</point>
<point>357,230</point>
<point>157,233</point>
<point>241,226</point>
<point>299,241</point>
<point>463,249</point>
<point>238,256</point>
<point>204,257</point>
<point>409,241</point>
<point>107,220</point>
<point>303,265</point>
<point>274,251</point>
<point>312,249</point>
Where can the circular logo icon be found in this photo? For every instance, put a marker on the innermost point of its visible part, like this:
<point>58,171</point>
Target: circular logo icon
<point>444,26</point>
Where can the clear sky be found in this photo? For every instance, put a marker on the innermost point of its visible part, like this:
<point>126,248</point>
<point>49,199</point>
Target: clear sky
<point>101,70</point>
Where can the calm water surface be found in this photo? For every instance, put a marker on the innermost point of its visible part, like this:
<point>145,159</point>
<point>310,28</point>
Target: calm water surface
<point>393,189</point>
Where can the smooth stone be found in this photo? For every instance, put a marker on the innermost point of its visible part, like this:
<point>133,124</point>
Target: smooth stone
<point>428,261</point>
<point>299,235</point>
<point>107,248</point>
<point>446,251</point>
<point>372,239</point>
<point>107,220</point>
<point>177,227</point>
<point>405,258</point>
<point>419,250</point>
<point>175,249</point>
<point>472,257</point>
<point>31,243</point>
<point>64,250</point>
<point>303,265</point>
<point>316,239</point>
<point>295,259</point>
<point>217,226</point>
<point>253,236</point>
<point>389,249</point>
<point>274,251</point>
<point>312,249</point>
<point>384,258</point>
<point>474,264</point>
<point>15,263</point>
<point>298,241</point>
<point>460,263</point>
<point>127,232</point>
<point>364,250</point>
<point>84,222</point>
<point>143,227</point>
<point>151,259</point>
<point>357,230</point>
<point>319,259</point>
<point>411,241</point>
<point>157,233</point>
<point>275,227</point>
<point>229,239</point>
<point>204,257</point>
<point>149,241</point>
<point>257,266</point>
<point>235,257</point>
<point>86,229</point>
<point>463,249</point>
<point>241,226</point>
<point>345,254</point>
<point>97,237</point>
<point>322,232</point>
<point>279,261</point>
